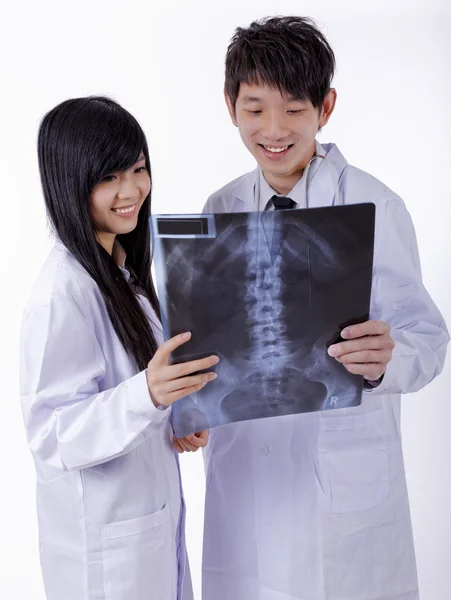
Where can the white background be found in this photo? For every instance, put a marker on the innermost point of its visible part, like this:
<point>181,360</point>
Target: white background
<point>164,63</point>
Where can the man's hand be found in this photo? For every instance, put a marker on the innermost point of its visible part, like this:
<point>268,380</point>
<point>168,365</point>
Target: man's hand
<point>368,351</point>
<point>192,443</point>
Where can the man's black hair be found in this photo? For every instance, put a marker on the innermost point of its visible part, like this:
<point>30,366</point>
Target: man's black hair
<point>286,53</point>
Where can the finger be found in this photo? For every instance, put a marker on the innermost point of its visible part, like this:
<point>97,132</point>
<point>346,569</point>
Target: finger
<point>367,328</point>
<point>370,372</point>
<point>183,369</point>
<point>177,446</point>
<point>179,394</point>
<point>362,344</point>
<point>161,356</point>
<point>162,390</point>
<point>366,356</point>
<point>183,445</point>
<point>191,440</point>
<point>200,440</point>
<point>184,382</point>
<point>187,444</point>
<point>204,435</point>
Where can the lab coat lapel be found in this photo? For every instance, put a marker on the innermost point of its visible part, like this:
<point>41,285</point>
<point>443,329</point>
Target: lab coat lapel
<point>324,178</point>
<point>243,193</point>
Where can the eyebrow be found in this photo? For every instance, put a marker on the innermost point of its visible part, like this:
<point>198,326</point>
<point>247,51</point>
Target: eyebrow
<point>257,99</point>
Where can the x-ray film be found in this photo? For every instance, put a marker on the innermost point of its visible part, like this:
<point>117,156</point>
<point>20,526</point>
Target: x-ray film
<point>267,292</point>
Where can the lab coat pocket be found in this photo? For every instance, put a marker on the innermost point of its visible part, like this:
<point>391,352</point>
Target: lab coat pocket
<point>136,556</point>
<point>353,467</point>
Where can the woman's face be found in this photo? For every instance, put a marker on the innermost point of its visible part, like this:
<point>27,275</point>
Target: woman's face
<point>115,202</point>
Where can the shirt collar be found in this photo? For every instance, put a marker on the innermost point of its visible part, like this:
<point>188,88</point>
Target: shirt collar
<point>120,256</point>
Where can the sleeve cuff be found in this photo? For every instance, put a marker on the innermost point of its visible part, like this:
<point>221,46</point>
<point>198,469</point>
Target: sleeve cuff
<point>141,403</point>
<point>369,385</point>
<point>388,382</point>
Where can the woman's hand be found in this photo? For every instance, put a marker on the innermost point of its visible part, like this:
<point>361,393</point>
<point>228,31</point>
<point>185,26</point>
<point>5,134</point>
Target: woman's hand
<point>168,383</point>
<point>192,443</point>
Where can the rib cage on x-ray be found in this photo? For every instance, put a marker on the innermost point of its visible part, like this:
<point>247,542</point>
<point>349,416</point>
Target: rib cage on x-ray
<point>267,292</point>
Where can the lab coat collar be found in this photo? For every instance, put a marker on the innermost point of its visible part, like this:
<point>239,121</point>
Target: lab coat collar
<point>119,255</point>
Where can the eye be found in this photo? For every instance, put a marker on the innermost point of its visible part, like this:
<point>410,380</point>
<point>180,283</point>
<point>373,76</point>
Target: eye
<point>109,178</point>
<point>254,112</point>
<point>295,111</point>
<point>140,169</point>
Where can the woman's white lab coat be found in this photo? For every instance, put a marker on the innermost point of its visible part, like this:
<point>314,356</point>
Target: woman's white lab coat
<point>110,507</point>
<point>315,506</point>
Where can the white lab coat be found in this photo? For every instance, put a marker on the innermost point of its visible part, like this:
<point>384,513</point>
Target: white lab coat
<point>110,507</point>
<point>315,506</point>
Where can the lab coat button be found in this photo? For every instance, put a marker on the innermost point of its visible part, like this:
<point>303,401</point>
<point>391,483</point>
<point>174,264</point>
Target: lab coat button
<point>264,450</point>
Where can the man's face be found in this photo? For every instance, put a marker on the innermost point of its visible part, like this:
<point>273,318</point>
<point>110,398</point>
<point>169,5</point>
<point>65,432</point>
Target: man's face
<point>277,129</point>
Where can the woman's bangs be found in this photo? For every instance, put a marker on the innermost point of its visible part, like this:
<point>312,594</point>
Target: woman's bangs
<point>124,142</point>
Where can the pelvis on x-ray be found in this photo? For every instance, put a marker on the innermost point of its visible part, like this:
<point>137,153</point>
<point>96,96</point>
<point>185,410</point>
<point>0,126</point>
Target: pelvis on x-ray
<point>267,292</point>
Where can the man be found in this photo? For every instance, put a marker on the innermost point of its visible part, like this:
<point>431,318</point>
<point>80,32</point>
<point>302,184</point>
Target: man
<point>315,506</point>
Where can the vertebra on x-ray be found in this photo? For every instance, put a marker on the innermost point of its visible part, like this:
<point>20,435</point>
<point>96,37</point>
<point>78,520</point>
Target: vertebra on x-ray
<point>267,292</point>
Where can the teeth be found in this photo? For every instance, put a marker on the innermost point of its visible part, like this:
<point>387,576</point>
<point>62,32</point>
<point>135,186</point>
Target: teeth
<point>269,149</point>
<point>124,211</point>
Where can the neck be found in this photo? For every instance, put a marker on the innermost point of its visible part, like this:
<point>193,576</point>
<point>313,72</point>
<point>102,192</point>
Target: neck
<point>283,184</point>
<point>119,253</point>
<point>106,240</point>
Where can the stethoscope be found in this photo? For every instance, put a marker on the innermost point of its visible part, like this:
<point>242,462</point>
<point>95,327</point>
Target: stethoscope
<point>338,200</point>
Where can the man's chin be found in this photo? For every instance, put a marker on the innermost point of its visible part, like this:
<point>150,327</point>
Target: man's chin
<point>280,170</point>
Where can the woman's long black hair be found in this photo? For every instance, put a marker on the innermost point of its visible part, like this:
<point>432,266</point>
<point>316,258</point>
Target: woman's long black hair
<point>80,142</point>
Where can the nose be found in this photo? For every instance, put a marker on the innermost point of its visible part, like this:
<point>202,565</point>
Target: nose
<point>128,189</point>
<point>274,127</point>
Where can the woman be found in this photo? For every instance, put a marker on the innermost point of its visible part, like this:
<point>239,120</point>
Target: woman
<point>95,382</point>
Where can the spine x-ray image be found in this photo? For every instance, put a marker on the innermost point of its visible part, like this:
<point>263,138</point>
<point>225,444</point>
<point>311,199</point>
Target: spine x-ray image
<point>267,292</point>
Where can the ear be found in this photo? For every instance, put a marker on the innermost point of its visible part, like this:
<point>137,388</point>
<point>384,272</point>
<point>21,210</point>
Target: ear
<point>231,109</point>
<point>328,107</point>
